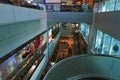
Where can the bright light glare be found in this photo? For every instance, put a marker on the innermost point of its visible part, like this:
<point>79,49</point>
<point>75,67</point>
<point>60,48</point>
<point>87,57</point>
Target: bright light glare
<point>52,63</point>
<point>33,67</point>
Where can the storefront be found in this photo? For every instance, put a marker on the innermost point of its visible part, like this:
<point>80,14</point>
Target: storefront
<point>84,30</point>
<point>27,58</point>
<point>109,5</point>
<point>105,44</point>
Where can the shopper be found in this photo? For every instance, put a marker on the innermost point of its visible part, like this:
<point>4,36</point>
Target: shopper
<point>85,7</point>
<point>115,48</point>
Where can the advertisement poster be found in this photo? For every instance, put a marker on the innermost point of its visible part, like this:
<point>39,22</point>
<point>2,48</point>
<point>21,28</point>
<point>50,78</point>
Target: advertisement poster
<point>50,35</point>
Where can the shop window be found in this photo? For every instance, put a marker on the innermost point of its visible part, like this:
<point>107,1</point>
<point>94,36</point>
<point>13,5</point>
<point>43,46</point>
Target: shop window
<point>102,44</point>
<point>87,32</point>
<point>7,67</point>
<point>19,58</point>
<point>118,5</point>
<point>99,42</point>
<point>106,44</point>
<point>111,5</point>
<point>10,67</point>
<point>103,6</point>
<point>114,49</point>
<point>100,7</point>
<point>84,28</point>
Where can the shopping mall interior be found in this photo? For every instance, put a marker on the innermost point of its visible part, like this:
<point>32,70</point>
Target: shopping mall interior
<point>59,40</point>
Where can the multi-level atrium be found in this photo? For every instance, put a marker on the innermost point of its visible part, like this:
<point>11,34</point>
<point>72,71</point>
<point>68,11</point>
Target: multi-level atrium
<point>59,40</point>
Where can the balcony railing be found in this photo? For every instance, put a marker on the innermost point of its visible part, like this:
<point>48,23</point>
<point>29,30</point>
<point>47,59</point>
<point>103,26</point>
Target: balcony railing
<point>20,3</point>
<point>68,8</point>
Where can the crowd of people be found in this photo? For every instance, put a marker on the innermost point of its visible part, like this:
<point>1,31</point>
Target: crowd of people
<point>77,7</point>
<point>13,2</point>
<point>21,3</point>
<point>31,47</point>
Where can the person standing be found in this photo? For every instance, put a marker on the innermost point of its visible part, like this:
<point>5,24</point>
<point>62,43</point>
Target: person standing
<point>85,7</point>
<point>115,48</point>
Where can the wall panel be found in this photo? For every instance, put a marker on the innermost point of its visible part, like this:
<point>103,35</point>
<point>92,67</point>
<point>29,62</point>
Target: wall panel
<point>6,14</point>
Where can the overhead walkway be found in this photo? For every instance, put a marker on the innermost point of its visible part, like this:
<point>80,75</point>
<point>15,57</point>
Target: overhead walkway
<point>86,67</point>
<point>66,17</point>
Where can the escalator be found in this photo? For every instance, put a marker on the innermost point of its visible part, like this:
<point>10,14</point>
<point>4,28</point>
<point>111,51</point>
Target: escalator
<point>86,67</point>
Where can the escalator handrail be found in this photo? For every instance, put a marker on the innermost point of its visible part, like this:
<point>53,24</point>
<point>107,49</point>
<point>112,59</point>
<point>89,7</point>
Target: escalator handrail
<point>105,55</point>
<point>88,58</point>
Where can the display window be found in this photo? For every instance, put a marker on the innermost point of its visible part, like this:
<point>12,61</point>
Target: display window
<point>103,42</point>
<point>7,67</point>
<point>84,28</point>
<point>114,49</point>
<point>15,62</point>
<point>118,5</point>
<point>87,32</point>
<point>100,7</point>
<point>99,42</point>
<point>111,5</point>
<point>106,44</point>
<point>103,6</point>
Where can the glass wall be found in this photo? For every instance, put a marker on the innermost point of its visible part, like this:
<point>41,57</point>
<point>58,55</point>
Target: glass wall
<point>84,29</point>
<point>118,5</point>
<point>114,49</point>
<point>103,6</point>
<point>22,58</point>
<point>99,42</point>
<point>105,44</point>
<point>109,5</point>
